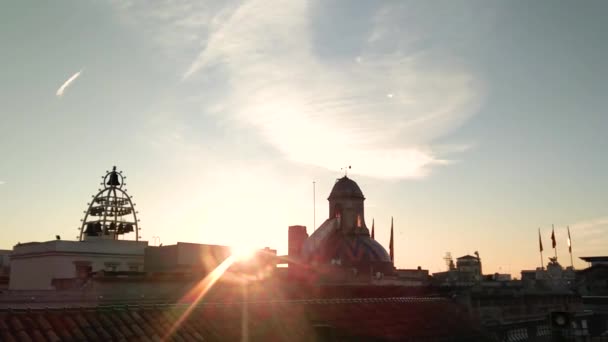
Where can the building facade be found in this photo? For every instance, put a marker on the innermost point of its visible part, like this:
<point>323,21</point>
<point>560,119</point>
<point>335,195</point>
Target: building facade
<point>37,265</point>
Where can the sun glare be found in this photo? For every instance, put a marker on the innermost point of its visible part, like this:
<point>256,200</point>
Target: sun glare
<point>242,253</point>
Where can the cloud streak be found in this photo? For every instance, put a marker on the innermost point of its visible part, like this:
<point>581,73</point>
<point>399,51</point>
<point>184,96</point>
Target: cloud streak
<point>379,109</point>
<point>67,83</point>
<point>588,237</point>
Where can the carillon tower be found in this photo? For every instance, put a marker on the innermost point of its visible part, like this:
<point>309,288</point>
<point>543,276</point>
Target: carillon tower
<point>111,213</point>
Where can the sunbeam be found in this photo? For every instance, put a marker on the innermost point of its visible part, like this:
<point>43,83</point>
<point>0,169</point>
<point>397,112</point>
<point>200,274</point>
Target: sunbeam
<point>199,291</point>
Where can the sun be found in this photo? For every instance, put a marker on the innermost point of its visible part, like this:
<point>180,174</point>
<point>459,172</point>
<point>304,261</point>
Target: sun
<point>242,252</point>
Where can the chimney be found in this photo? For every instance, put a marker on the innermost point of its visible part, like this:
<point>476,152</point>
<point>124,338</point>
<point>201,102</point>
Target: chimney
<point>296,237</point>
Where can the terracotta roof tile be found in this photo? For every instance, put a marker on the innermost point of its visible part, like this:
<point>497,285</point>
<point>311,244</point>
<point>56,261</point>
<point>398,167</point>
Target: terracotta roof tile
<point>294,320</point>
<point>37,336</point>
<point>51,336</point>
<point>7,336</point>
<point>22,336</point>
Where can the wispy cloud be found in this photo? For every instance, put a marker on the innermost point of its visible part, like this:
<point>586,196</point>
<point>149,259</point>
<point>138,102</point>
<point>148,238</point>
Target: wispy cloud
<point>67,83</point>
<point>588,236</point>
<point>2,182</point>
<point>380,109</point>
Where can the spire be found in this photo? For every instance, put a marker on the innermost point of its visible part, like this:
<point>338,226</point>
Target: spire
<point>373,229</point>
<point>390,244</point>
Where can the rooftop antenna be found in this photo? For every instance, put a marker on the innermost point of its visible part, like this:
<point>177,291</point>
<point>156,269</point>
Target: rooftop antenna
<point>314,207</point>
<point>345,169</point>
<point>449,262</point>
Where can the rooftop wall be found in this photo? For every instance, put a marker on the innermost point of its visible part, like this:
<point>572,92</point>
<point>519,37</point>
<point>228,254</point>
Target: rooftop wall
<point>35,265</point>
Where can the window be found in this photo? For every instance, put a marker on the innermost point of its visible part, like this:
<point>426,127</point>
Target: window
<point>111,266</point>
<point>338,211</point>
<point>83,268</point>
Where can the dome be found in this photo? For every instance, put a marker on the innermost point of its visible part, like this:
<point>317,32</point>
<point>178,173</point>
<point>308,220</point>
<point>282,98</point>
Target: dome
<point>328,245</point>
<point>346,187</point>
<point>360,249</point>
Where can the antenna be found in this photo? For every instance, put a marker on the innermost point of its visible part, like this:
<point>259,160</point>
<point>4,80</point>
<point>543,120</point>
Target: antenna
<point>449,262</point>
<point>314,207</point>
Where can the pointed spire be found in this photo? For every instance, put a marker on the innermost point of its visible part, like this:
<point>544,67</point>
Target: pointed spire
<point>390,244</point>
<point>373,230</point>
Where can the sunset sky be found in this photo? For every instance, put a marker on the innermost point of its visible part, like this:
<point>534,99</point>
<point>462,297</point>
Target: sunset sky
<point>472,123</point>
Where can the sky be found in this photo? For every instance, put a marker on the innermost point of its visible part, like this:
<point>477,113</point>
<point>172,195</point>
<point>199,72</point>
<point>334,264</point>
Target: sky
<point>472,123</point>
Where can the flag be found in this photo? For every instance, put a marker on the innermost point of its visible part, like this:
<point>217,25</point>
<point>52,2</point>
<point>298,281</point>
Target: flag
<point>553,243</point>
<point>569,241</point>
<point>540,241</point>
<point>373,229</point>
<point>390,244</point>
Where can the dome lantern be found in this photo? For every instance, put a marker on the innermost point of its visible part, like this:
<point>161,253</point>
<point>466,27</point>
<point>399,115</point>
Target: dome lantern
<point>346,201</point>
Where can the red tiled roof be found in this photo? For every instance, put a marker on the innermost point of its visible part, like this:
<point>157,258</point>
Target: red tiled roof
<point>386,319</point>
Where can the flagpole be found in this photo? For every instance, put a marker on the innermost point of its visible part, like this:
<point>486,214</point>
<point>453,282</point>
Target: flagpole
<point>554,243</point>
<point>570,248</point>
<point>314,207</point>
<point>540,243</point>
<point>391,244</point>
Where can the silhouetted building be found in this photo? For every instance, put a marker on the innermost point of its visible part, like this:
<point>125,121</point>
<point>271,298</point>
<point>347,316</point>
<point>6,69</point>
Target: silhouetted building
<point>184,258</point>
<point>296,237</point>
<point>596,260</point>
<point>466,272</point>
<point>46,265</point>
<point>39,265</point>
<point>341,247</point>
<point>5,268</point>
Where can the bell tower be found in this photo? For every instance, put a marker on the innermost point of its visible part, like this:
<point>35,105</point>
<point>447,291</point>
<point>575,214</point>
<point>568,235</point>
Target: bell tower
<point>346,202</point>
<point>111,214</point>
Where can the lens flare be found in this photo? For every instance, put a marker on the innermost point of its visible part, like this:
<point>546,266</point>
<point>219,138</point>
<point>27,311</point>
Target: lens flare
<point>199,291</point>
<point>242,253</point>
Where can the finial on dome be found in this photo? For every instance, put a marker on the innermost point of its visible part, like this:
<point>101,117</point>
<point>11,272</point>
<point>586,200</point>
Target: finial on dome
<point>345,169</point>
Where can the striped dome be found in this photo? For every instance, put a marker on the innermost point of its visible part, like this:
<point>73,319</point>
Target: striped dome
<point>359,249</point>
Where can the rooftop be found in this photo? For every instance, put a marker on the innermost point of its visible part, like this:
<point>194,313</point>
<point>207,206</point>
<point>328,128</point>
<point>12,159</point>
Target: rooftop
<point>595,258</point>
<point>375,319</point>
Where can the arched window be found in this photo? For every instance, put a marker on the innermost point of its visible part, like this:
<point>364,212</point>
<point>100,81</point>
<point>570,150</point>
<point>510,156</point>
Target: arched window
<point>337,210</point>
<point>359,221</point>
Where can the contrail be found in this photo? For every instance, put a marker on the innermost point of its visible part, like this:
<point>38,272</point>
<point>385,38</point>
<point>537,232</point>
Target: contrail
<point>67,84</point>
